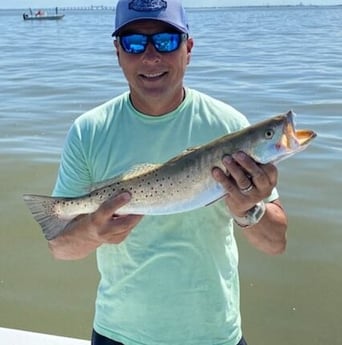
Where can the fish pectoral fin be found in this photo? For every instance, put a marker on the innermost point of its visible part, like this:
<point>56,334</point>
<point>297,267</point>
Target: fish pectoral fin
<point>219,198</point>
<point>135,171</point>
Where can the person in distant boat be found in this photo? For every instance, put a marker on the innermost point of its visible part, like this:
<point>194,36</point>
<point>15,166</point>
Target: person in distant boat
<point>56,9</point>
<point>40,13</point>
<point>164,279</point>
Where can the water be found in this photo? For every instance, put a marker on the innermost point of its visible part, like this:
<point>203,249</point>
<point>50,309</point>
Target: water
<point>261,60</point>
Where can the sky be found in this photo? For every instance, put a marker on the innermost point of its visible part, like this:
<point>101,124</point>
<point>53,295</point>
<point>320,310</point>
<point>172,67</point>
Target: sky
<point>188,3</point>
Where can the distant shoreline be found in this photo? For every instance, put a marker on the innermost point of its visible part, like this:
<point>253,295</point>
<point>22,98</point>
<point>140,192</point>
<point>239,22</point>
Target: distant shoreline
<point>112,8</point>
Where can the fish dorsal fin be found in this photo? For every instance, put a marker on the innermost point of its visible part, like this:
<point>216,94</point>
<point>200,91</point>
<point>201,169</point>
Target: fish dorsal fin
<point>183,153</point>
<point>136,170</point>
<point>190,149</point>
<point>139,169</point>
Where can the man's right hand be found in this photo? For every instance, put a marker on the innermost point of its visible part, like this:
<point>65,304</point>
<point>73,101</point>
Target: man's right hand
<point>88,231</point>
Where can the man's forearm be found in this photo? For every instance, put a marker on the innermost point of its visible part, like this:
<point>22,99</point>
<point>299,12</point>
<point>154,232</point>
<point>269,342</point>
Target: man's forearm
<point>269,235</point>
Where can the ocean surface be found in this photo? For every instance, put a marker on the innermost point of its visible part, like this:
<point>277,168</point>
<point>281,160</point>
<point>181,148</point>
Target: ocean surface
<point>263,61</point>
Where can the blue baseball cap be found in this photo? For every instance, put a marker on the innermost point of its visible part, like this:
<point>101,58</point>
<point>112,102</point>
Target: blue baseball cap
<point>167,11</point>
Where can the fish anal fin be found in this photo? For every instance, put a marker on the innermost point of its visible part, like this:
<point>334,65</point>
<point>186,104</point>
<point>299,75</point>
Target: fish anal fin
<point>217,199</point>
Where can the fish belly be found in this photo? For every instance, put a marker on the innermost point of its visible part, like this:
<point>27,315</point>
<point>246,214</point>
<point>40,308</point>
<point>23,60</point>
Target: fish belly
<point>175,203</point>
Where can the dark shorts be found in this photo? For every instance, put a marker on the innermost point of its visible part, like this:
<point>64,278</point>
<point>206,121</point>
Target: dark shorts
<point>98,339</point>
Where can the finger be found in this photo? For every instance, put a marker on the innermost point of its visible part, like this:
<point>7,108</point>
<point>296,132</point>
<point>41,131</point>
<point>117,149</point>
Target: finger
<point>252,170</point>
<point>110,206</point>
<point>106,210</point>
<point>227,183</point>
<point>236,201</point>
<point>238,173</point>
<point>271,172</point>
<point>120,227</point>
<point>126,221</point>
<point>116,238</point>
<point>219,175</point>
<point>116,229</point>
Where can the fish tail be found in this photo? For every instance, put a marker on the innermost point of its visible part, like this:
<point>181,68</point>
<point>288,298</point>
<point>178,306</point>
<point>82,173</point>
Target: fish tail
<point>43,211</point>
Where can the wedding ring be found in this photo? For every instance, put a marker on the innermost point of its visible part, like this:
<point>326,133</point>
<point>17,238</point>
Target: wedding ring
<point>247,189</point>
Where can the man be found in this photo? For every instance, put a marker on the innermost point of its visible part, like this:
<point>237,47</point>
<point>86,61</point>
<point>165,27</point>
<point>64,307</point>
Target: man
<point>164,279</point>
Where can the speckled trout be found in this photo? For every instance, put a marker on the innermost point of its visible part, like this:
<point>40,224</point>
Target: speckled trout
<point>181,184</point>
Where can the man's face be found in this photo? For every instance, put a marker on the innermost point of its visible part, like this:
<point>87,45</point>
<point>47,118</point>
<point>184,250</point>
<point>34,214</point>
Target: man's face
<point>154,76</point>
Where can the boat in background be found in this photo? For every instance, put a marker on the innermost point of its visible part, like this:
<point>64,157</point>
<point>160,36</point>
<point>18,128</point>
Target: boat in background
<point>42,15</point>
<point>54,17</point>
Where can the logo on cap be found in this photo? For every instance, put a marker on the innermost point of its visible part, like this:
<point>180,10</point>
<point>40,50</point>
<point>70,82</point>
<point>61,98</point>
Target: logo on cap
<point>147,5</point>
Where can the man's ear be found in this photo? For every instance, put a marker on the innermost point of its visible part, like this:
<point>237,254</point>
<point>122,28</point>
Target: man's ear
<point>116,45</point>
<point>189,46</point>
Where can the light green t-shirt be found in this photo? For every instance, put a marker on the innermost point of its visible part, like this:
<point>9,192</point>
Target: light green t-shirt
<point>174,280</point>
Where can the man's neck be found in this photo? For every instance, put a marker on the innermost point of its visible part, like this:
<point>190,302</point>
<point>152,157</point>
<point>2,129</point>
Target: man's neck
<point>157,106</point>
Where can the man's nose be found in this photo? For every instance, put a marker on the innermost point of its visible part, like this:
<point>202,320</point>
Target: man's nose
<point>151,54</point>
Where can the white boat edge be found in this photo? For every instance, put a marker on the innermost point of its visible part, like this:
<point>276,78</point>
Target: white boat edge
<point>11,336</point>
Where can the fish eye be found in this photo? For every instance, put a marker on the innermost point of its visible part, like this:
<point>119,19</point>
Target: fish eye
<point>269,133</point>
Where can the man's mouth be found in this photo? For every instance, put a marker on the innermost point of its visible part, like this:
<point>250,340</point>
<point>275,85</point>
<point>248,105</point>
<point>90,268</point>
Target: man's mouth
<point>152,76</point>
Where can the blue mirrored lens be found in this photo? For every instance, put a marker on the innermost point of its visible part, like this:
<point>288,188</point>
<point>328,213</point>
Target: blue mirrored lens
<point>163,42</point>
<point>134,44</point>
<point>166,42</point>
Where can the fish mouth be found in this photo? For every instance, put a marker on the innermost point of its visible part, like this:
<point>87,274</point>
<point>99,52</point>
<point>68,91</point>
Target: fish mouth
<point>304,136</point>
<point>293,139</point>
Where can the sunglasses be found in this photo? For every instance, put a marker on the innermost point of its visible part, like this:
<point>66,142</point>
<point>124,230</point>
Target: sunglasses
<point>163,42</point>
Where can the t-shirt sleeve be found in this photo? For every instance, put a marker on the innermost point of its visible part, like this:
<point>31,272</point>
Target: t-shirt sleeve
<point>73,175</point>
